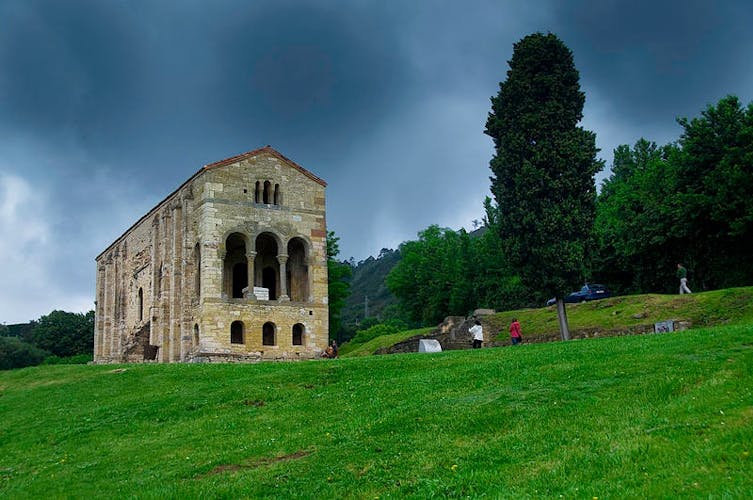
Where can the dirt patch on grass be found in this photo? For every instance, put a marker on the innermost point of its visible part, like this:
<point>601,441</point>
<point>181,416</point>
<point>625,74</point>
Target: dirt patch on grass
<point>118,370</point>
<point>255,464</point>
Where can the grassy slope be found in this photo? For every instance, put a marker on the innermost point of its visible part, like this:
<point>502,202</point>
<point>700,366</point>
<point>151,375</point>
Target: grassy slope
<point>653,415</point>
<point>350,349</point>
<point>732,306</point>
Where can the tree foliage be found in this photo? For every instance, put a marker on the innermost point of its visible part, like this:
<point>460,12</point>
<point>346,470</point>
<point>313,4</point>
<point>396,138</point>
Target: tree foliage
<point>65,334</point>
<point>15,353</point>
<point>690,202</point>
<point>431,280</point>
<point>338,286</point>
<point>544,167</point>
<point>448,272</point>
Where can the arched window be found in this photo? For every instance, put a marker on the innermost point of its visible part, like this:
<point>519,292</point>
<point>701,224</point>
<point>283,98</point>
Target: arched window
<point>298,334</point>
<point>141,304</point>
<point>196,334</point>
<point>236,332</point>
<point>267,192</point>
<point>257,192</point>
<point>297,271</point>
<point>266,266</point>
<point>236,266</point>
<point>277,199</point>
<point>268,333</point>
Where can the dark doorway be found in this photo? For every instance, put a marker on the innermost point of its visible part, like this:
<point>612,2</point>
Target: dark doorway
<point>269,280</point>
<point>240,279</point>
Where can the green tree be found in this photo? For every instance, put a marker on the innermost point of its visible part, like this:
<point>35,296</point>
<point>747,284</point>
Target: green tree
<point>338,286</point>
<point>15,353</point>
<point>543,168</point>
<point>690,202</point>
<point>435,276</point>
<point>496,284</point>
<point>65,334</point>
<point>715,193</point>
<point>637,230</point>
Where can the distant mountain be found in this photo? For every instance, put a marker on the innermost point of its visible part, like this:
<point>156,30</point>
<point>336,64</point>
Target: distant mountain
<point>369,295</point>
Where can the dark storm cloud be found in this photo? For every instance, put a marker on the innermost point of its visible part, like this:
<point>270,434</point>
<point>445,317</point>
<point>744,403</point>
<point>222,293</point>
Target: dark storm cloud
<point>316,73</point>
<point>659,60</point>
<point>67,69</point>
<point>106,106</point>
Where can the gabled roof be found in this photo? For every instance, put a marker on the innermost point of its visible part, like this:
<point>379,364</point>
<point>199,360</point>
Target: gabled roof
<point>227,161</point>
<point>269,150</point>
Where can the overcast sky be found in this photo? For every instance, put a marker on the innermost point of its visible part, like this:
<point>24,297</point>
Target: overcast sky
<point>107,106</point>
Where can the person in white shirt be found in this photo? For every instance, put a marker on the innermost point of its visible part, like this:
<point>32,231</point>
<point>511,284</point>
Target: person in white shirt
<point>478,334</point>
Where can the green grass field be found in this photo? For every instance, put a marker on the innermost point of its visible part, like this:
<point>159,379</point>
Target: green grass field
<point>731,306</point>
<point>641,416</point>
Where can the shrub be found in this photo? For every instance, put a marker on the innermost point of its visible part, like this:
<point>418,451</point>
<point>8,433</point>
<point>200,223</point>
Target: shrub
<point>15,353</point>
<point>78,359</point>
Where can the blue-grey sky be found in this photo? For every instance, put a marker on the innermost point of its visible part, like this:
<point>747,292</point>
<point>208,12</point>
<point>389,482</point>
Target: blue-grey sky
<point>106,106</point>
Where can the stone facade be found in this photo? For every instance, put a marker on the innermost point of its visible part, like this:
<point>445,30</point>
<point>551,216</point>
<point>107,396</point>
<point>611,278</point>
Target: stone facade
<point>231,266</point>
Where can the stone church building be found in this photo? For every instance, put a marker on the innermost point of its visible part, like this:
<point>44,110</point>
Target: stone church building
<point>231,266</point>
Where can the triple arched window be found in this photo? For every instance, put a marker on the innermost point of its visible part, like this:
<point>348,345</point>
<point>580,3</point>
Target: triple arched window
<point>268,193</point>
<point>282,269</point>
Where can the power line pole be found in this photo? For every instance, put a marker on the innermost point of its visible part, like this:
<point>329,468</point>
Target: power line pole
<point>366,306</point>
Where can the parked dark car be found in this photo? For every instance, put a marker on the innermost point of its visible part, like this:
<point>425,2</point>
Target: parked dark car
<point>588,292</point>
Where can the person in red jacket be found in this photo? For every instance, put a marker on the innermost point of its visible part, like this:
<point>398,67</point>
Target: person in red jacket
<point>515,335</point>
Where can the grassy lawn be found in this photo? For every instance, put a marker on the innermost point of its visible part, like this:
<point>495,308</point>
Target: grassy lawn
<point>350,349</point>
<point>731,306</point>
<point>652,415</point>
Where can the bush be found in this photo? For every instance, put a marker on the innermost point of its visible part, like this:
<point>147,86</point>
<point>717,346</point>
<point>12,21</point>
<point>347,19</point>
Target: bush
<point>78,359</point>
<point>15,353</point>
<point>65,334</point>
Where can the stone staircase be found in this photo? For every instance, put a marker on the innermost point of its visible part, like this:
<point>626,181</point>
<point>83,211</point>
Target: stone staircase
<point>452,334</point>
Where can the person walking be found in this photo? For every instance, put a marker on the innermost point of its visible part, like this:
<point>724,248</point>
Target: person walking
<point>515,335</point>
<point>682,273</point>
<point>477,332</point>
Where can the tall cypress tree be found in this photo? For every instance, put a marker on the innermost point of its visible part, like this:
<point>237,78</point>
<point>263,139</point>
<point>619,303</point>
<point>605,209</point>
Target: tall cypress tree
<point>544,167</point>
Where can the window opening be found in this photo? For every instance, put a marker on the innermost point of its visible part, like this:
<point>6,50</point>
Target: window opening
<point>236,332</point>
<point>268,333</point>
<point>235,266</point>
<point>141,304</point>
<point>297,271</point>
<point>267,192</point>
<point>298,334</point>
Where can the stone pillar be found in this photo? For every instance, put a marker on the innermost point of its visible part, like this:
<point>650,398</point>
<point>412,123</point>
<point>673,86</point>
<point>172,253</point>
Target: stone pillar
<point>116,308</point>
<point>107,311</point>
<point>283,260</point>
<point>250,260</point>
<point>99,313</point>
<point>154,315</point>
<point>174,295</point>
<point>166,352</point>
<point>186,284</point>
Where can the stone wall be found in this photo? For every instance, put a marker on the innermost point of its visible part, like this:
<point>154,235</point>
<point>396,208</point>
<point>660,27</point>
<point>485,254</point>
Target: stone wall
<point>175,275</point>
